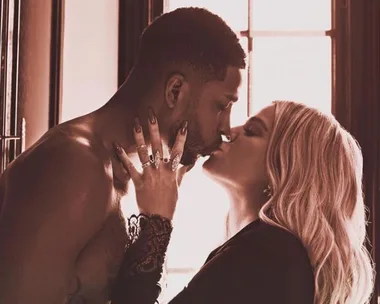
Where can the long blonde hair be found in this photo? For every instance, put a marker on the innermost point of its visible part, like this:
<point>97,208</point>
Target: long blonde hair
<point>315,172</point>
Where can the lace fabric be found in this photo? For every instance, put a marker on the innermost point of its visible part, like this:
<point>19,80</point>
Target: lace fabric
<point>141,270</point>
<point>150,233</point>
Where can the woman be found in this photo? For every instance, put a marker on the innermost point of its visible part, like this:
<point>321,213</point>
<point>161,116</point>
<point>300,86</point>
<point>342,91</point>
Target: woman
<point>297,217</point>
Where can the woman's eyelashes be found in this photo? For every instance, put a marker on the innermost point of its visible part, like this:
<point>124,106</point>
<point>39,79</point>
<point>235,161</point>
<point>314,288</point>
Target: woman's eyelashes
<point>252,130</point>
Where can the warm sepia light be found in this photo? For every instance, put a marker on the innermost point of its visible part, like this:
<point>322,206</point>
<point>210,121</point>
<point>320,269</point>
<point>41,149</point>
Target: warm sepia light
<point>305,15</point>
<point>89,63</point>
<point>291,68</point>
<point>235,12</point>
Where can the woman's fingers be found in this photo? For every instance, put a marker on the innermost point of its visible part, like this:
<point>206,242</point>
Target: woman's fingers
<point>155,138</point>
<point>127,163</point>
<point>141,147</point>
<point>177,150</point>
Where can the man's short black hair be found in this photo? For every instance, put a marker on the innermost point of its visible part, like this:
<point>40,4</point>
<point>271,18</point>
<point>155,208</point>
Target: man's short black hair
<point>194,37</point>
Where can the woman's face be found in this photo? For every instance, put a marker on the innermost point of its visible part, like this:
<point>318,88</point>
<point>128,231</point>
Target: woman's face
<point>241,162</point>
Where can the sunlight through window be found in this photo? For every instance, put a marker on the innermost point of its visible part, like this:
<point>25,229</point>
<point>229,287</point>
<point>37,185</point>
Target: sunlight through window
<point>300,15</point>
<point>292,68</point>
<point>233,12</point>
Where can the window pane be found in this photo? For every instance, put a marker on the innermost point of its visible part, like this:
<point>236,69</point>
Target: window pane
<point>296,69</point>
<point>234,13</point>
<point>291,14</point>
<point>199,227</point>
<point>198,221</point>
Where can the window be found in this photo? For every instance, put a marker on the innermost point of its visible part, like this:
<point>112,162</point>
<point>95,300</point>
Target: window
<point>288,44</point>
<point>12,141</point>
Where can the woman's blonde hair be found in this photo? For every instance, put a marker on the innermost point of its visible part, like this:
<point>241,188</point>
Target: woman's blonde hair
<point>315,172</point>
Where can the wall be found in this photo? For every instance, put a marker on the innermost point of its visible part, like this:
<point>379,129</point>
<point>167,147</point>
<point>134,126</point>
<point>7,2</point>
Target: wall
<point>34,67</point>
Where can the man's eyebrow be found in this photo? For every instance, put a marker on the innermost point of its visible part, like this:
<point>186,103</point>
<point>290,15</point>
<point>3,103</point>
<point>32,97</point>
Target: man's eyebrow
<point>259,121</point>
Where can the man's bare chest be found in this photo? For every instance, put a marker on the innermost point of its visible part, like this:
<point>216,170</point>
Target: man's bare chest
<point>99,262</point>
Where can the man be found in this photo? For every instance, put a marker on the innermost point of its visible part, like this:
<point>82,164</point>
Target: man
<point>62,234</point>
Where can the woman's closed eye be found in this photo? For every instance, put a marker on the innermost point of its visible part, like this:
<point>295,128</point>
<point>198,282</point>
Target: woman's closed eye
<point>251,130</point>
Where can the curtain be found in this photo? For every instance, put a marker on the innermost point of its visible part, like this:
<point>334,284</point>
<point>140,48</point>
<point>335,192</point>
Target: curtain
<point>357,102</point>
<point>134,16</point>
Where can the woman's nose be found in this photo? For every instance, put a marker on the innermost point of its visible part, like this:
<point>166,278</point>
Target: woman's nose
<point>233,135</point>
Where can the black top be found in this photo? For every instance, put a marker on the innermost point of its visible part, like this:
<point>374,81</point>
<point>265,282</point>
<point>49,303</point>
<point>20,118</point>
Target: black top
<point>260,264</point>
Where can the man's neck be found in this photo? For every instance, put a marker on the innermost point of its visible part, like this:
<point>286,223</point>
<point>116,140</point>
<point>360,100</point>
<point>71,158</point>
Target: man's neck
<point>114,121</point>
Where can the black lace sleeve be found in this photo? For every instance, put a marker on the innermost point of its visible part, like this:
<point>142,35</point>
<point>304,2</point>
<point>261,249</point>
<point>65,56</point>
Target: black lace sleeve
<point>143,261</point>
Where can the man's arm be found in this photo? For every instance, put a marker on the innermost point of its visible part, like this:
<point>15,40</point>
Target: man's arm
<point>56,201</point>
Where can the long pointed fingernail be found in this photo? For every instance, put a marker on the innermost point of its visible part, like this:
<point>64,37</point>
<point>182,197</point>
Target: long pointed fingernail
<point>137,125</point>
<point>184,127</point>
<point>118,148</point>
<point>152,116</point>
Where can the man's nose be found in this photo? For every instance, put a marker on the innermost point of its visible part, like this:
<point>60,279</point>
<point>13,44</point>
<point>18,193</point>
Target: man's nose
<point>234,135</point>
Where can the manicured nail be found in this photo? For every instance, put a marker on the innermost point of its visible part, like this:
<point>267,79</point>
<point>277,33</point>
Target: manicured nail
<point>118,148</point>
<point>137,125</point>
<point>152,116</point>
<point>184,127</point>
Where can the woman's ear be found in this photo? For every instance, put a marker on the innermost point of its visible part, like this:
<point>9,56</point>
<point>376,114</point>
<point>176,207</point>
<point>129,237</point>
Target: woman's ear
<point>176,90</point>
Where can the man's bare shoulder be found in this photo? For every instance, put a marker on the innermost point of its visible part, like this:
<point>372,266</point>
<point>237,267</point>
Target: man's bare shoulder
<point>61,162</point>
<point>62,149</point>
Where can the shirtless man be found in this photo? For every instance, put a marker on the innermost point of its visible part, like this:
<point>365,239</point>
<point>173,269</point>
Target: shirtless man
<point>62,234</point>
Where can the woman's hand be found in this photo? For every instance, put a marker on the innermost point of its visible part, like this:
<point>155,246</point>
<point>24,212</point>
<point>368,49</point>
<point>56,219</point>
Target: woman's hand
<point>157,186</point>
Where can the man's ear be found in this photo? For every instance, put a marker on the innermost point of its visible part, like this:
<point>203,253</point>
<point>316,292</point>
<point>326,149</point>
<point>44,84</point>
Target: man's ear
<point>176,90</point>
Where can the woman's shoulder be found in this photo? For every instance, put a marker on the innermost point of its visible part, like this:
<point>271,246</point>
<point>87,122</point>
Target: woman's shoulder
<point>276,243</point>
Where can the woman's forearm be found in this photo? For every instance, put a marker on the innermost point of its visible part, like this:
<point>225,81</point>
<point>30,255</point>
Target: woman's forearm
<point>142,267</point>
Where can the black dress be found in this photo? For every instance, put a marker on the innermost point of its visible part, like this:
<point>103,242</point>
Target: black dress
<point>260,264</point>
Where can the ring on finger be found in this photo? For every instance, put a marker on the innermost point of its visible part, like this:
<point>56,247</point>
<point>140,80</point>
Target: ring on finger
<point>175,162</point>
<point>157,159</point>
<point>139,147</point>
<point>146,164</point>
<point>165,160</point>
